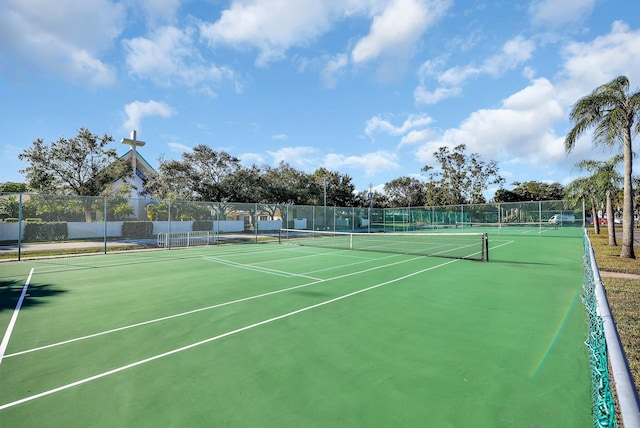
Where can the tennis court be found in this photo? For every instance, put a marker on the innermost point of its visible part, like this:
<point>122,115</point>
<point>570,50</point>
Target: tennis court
<point>287,335</point>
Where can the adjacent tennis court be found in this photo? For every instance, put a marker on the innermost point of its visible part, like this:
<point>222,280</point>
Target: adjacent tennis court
<point>288,335</point>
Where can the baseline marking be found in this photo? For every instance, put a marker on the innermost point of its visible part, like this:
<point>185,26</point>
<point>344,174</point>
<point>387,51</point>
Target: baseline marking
<point>214,338</point>
<point>14,318</point>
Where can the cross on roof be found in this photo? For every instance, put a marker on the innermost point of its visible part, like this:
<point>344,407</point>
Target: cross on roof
<point>133,142</point>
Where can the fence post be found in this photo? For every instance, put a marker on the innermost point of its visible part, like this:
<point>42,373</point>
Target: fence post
<point>168,225</point>
<point>105,225</point>
<point>540,216</point>
<point>20,228</point>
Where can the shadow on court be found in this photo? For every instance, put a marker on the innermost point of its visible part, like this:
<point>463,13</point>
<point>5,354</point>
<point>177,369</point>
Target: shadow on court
<point>37,294</point>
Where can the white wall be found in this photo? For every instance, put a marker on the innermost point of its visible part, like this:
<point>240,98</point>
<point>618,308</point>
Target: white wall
<point>269,224</point>
<point>9,231</point>
<point>228,226</point>
<point>80,230</point>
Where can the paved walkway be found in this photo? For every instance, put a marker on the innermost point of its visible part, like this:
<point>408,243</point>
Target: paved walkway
<point>604,274</point>
<point>76,244</point>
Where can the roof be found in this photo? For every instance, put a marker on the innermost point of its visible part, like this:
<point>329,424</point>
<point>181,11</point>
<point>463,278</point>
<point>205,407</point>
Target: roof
<point>146,167</point>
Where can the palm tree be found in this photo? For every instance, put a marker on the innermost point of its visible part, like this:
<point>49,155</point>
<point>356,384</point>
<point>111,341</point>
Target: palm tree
<point>607,181</point>
<point>584,189</point>
<point>613,111</point>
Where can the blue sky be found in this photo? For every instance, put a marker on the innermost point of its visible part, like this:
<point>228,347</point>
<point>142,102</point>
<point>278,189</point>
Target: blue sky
<point>369,88</point>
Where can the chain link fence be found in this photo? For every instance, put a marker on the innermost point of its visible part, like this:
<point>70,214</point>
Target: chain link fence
<point>36,224</point>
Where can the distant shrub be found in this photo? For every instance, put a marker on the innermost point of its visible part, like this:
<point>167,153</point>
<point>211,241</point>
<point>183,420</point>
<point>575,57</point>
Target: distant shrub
<point>137,229</point>
<point>11,220</point>
<point>202,225</point>
<point>48,231</point>
<point>33,220</point>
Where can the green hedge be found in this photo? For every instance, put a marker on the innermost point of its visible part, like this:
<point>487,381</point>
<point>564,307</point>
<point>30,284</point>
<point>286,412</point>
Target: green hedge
<point>137,229</point>
<point>202,225</point>
<point>49,231</point>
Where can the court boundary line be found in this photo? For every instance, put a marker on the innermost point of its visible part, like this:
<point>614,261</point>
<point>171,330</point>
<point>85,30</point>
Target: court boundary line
<point>214,338</point>
<point>193,311</point>
<point>7,334</point>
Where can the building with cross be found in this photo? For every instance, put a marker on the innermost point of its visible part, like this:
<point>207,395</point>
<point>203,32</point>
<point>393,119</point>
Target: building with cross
<point>141,171</point>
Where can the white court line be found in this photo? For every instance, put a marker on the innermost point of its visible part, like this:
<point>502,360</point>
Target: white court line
<point>14,318</point>
<point>306,255</point>
<point>206,308</point>
<point>211,339</point>
<point>258,269</point>
<point>219,305</point>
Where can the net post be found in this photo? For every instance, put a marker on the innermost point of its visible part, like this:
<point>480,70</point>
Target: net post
<point>485,247</point>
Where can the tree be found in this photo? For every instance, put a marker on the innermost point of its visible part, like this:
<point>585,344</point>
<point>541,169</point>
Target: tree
<point>200,175</point>
<point>339,188</point>
<point>82,166</point>
<point>287,185</point>
<point>405,192</point>
<point>208,169</point>
<point>379,200</point>
<point>246,185</point>
<point>584,189</point>
<point>461,179</point>
<point>606,181</point>
<point>504,195</point>
<point>13,187</point>
<point>10,207</point>
<point>538,191</point>
<point>172,180</point>
<point>614,112</point>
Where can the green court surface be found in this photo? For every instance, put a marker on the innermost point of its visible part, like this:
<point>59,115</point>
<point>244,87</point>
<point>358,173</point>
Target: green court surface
<point>276,335</point>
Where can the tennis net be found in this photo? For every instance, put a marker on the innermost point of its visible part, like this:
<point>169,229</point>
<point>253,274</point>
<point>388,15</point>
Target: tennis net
<point>471,246</point>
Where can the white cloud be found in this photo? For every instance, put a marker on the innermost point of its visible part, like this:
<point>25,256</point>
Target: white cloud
<point>299,157</point>
<point>333,69</point>
<point>371,163</point>
<point>520,131</point>
<point>179,147</point>
<point>168,57</point>
<point>514,52</point>
<point>450,81</point>
<point>65,37</point>
<point>589,65</point>
<point>159,10</point>
<point>271,27</point>
<point>281,137</point>
<point>249,159</point>
<point>416,137</point>
<point>423,96</point>
<point>137,110</point>
<point>398,27</point>
<point>378,125</point>
<point>555,13</point>
<point>523,131</point>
